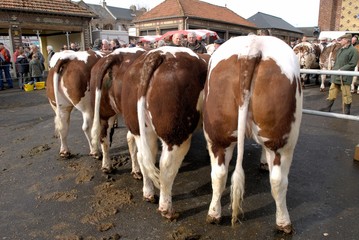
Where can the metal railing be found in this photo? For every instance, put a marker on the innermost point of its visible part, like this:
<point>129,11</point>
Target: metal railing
<point>330,72</point>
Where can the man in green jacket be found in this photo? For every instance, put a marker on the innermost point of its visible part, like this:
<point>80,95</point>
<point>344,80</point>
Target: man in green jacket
<point>346,60</point>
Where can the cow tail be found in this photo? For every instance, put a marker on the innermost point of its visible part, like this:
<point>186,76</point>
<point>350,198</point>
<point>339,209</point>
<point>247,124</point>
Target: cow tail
<point>56,81</point>
<point>97,75</point>
<point>238,177</point>
<point>151,63</point>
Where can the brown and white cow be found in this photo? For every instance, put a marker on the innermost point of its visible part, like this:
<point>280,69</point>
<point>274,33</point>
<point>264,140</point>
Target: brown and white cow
<point>308,55</point>
<point>355,78</point>
<point>327,60</point>
<point>68,86</point>
<point>162,100</point>
<point>107,76</point>
<point>252,90</point>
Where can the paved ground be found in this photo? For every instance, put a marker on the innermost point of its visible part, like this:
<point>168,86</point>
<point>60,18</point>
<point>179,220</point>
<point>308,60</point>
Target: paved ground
<point>44,197</point>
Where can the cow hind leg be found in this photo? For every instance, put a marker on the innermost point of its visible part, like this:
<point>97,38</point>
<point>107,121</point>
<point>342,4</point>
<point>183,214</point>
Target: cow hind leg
<point>86,128</point>
<point>148,186</point>
<point>323,77</point>
<point>279,183</point>
<point>136,172</point>
<point>219,174</point>
<point>170,162</point>
<point>62,122</point>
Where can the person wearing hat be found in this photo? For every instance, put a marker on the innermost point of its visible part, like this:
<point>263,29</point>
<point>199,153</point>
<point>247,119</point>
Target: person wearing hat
<point>346,60</point>
<point>217,43</point>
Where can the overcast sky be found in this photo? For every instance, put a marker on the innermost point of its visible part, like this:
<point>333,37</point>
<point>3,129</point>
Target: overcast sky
<point>303,13</point>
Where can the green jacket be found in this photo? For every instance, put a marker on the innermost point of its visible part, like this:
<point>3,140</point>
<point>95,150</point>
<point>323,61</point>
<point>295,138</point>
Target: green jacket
<point>346,60</point>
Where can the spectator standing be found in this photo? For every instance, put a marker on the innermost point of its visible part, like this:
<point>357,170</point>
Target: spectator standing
<point>346,60</point>
<point>5,63</point>
<point>34,49</point>
<point>195,45</point>
<point>323,42</point>
<point>73,47</point>
<point>115,44</point>
<point>355,40</point>
<point>14,58</point>
<point>50,53</point>
<point>105,46</point>
<point>218,43</point>
<point>97,45</point>
<point>176,40</point>
<point>22,67</point>
<point>36,69</point>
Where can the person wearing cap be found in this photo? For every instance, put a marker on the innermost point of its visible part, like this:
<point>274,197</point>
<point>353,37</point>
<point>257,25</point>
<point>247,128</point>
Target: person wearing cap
<point>323,42</point>
<point>218,43</point>
<point>195,45</point>
<point>346,60</point>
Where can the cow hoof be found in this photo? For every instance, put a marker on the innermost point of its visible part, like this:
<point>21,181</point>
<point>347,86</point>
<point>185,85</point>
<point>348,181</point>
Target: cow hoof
<point>169,215</point>
<point>65,154</point>
<point>213,220</point>
<point>152,199</point>
<point>107,170</point>
<point>264,167</point>
<point>95,155</point>
<point>286,229</point>
<point>137,175</point>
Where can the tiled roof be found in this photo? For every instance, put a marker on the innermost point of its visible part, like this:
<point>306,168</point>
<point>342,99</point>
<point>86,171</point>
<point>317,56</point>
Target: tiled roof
<point>193,8</point>
<point>263,20</point>
<point>46,6</point>
<point>121,13</point>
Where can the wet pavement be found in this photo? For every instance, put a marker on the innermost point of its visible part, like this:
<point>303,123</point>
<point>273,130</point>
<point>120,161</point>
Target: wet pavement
<point>45,197</point>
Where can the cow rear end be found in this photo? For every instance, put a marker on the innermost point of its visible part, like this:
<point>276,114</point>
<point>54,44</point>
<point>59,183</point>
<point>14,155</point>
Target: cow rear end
<point>252,90</point>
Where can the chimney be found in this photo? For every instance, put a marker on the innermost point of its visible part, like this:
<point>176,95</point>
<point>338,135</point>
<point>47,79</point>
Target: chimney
<point>103,3</point>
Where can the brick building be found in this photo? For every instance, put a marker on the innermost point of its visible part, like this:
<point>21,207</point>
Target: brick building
<point>339,15</point>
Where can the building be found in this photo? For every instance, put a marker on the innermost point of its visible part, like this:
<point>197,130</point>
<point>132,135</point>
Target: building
<point>276,26</point>
<point>339,15</point>
<point>192,14</point>
<point>53,22</point>
<point>112,22</point>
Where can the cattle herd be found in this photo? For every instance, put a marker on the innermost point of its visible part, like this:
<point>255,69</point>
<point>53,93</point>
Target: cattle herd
<point>247,88</point>
<point>315,56</point>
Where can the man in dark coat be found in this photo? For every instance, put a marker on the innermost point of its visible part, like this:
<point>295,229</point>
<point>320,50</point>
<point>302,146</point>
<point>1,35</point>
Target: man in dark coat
<point>346,60</point>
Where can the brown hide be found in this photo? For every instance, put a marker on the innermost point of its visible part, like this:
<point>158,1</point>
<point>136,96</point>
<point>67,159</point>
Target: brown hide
<point>75,75</point>
<point>172,86</point>
<point>272,110</point>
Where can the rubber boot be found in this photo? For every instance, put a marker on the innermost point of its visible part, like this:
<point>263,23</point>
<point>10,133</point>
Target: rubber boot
<point>328,107</point>
<point>347,109</point>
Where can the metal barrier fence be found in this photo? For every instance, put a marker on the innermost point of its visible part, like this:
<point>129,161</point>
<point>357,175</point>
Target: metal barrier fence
<point>330,72</point>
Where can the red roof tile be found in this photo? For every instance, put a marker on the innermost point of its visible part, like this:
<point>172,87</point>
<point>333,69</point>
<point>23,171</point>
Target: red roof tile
<point>46,6</point>
<point>194,8</point>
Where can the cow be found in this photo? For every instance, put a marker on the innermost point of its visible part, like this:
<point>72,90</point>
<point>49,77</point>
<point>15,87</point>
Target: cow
<point>308,55</point>
<point>355,78</point>
<point>162,99</point>
<point>252,90</point>
<point>68,87</point>
<point>107,76</point>
<point>326,60</point>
